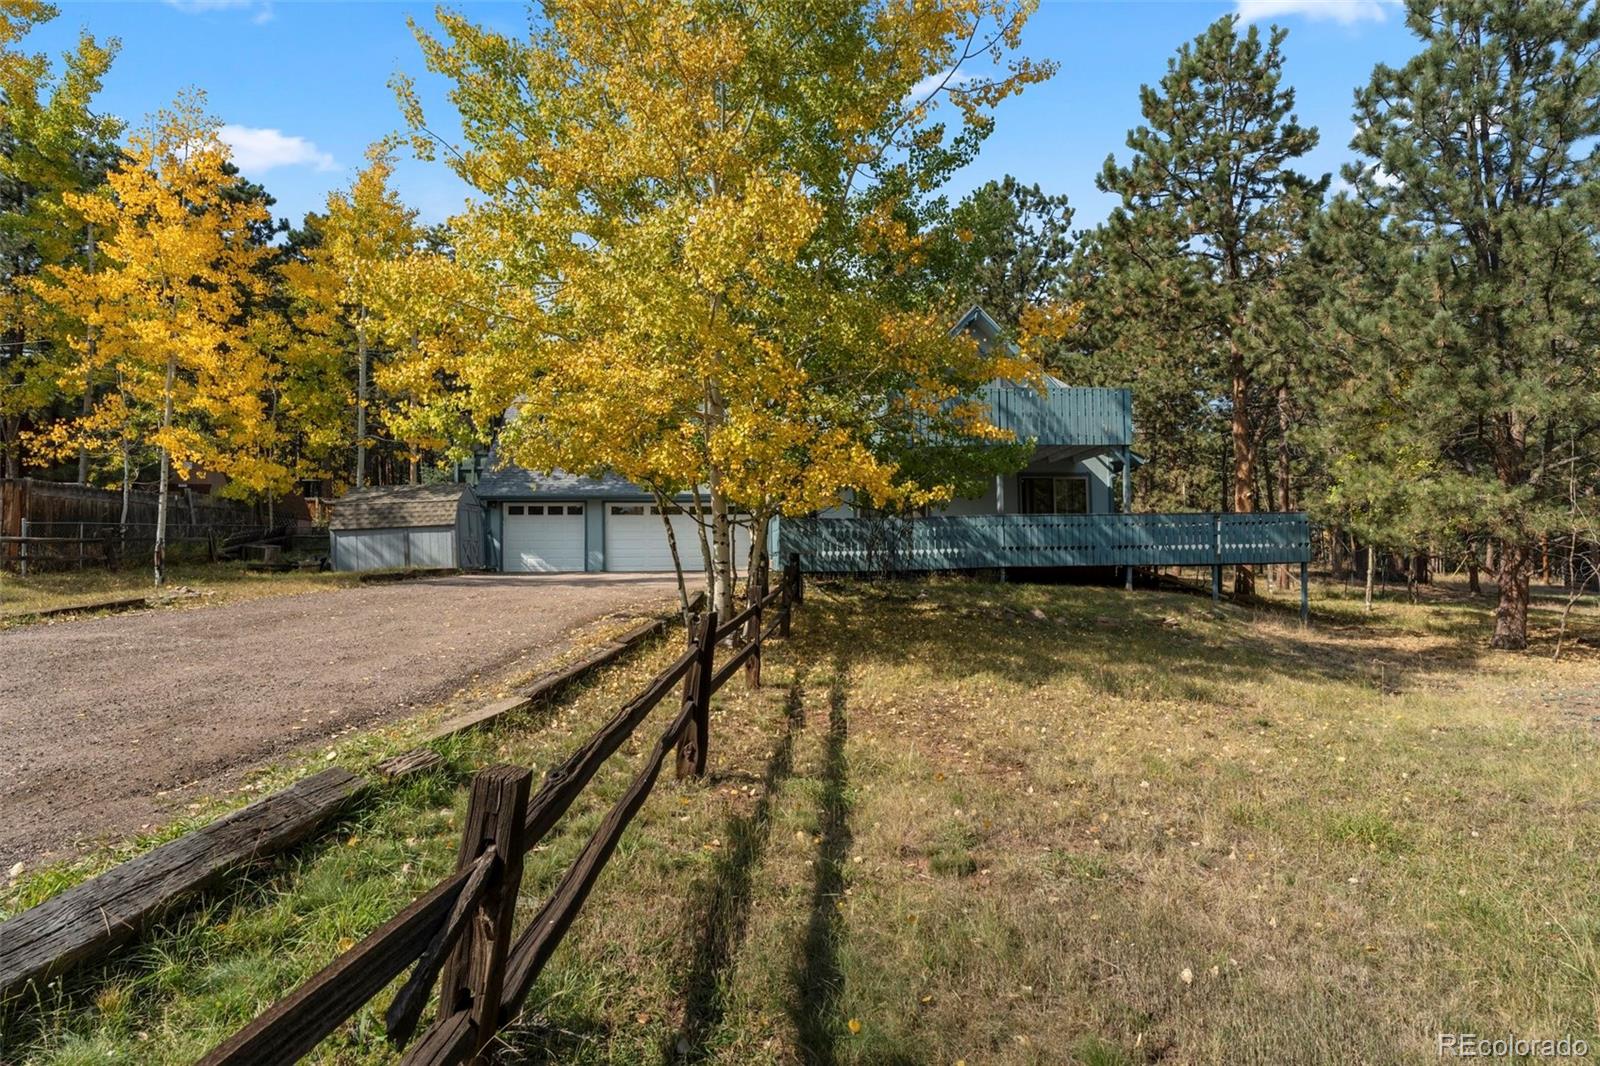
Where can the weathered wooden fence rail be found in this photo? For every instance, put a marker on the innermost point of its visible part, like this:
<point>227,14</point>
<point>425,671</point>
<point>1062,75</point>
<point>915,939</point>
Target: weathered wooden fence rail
<point>459,934</point>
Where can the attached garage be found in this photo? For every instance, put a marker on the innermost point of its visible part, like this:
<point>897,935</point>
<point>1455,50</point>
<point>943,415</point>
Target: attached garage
<point>407,526</point>
<point>558,522</point>
<point>543,537</point>
<point>636,539</point>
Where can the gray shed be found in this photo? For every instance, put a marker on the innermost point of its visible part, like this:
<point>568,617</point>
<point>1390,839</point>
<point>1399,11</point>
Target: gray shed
<point>399,526</point>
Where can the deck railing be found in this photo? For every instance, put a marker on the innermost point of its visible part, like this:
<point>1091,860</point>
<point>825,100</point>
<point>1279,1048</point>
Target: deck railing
<point>977,542</point>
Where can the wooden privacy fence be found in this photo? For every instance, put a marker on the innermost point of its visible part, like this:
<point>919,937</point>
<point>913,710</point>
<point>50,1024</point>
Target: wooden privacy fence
<point>459,934</point>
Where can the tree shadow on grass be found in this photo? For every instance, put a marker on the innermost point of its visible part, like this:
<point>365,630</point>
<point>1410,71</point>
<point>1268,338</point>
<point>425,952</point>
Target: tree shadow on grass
<point>720,906</point>
<point>815,1010</point>
<point>1121,644</point>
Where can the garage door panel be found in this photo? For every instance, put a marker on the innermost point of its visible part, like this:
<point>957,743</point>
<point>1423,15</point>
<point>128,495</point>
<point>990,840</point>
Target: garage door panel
<point>636,540</point>
<point>543,538</point>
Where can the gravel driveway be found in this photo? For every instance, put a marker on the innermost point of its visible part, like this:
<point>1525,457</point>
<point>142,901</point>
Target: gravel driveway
<point>99,716</point>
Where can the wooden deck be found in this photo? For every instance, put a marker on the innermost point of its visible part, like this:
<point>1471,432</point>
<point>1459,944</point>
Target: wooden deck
<point>978,542</point>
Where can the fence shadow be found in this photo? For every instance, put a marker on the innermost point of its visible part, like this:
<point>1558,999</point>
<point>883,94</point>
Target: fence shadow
<point>819,981</point>
<point>720,907</point>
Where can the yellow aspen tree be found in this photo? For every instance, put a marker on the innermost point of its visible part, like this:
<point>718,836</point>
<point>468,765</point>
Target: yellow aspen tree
<point>680,263</point>
<point>366,226</point>
<point>177,268</point>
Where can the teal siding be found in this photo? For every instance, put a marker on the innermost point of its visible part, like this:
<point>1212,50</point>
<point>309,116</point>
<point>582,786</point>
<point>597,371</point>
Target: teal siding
<point>1055,416</point>
<point>974,542</point>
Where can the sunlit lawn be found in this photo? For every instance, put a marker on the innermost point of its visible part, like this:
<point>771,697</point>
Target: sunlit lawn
<point>191,582</point>
<point>1005,823</point>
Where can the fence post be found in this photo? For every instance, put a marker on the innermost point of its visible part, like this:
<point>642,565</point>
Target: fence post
<point>752,665</point>
<point>799,590</point>
<point>786,603</point>
<point>476,969</point>
<point>697,693</point>
<point>1216,566</point>
<point>1305,594</point>
<point>23,558</point>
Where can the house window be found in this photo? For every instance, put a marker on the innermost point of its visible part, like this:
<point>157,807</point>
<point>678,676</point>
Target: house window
<point>627,508</point>
<point>515,508</point>
<point>1053,495</point>
<point>536,508</point>
<point>574,508</point>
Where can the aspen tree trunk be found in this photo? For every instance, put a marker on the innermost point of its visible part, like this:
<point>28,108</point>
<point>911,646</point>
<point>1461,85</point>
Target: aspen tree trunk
<point>361,407</point>
<point>1372,566</point>
<point>127,501</point>
<point>1244,460</point>
<point>414,473</point>
<point>663,505</point>
<point>166,473</point>
<point>87,404</point>
<point>758,554</point>
<point>707,556</point>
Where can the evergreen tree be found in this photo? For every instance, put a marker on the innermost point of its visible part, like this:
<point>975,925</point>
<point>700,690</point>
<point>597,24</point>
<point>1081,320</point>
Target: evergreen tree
<point>1478,357</point>
<point>1211,217</point>
<point>1015,244</point>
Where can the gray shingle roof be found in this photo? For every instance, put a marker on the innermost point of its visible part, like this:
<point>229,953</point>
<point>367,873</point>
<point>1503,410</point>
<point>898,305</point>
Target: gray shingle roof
<point>398,507</point>
<point>515,483</point>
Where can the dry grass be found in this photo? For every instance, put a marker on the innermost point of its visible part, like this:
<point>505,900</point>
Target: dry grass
<point>1013,824</point>
<point>188,584</point>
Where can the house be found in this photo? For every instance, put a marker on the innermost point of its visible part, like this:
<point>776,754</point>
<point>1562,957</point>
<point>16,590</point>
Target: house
<point>561,522</point>
<point>1067,507</point>
<point>401,526</point>
<point>1083,456</point>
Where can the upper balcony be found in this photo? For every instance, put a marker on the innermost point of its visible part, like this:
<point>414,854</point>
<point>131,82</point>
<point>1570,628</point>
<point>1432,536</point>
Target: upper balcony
<point>1061,415</point>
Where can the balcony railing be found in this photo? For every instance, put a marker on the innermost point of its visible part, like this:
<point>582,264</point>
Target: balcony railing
<point>1063,416</point>
<point>976,542</point>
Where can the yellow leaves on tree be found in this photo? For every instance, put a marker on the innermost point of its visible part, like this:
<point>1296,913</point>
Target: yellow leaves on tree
<point>672,269</point>
<point>167,302</point>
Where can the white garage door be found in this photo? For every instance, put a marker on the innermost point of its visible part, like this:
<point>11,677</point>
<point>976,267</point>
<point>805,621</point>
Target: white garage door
<point>637,541</point>
<point>543,537</point>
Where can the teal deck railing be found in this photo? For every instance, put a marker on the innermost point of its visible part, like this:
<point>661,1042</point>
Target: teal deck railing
<point>1079,417</point>
<point>976,542</point>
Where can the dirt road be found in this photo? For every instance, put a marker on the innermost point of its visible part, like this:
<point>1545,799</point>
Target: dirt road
<point>111,723</point>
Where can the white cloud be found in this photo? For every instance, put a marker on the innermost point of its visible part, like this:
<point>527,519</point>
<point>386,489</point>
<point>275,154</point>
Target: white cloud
<point>933,82</point>
<point>1345,12</point>
<point>258,150</point>
<point>260,10</point>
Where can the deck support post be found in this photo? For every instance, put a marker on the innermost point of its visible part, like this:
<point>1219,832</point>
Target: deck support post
<point>1305,595</point>
<point>1216,584</point>
<point>1127,505</point>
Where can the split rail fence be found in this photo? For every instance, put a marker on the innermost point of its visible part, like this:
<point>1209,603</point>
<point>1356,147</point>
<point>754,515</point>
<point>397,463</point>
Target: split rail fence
<point>459,934</point>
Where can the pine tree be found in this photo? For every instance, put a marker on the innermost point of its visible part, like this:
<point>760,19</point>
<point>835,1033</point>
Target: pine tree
<point>1211,216</point>
<point>51,143</point>
<point>1481,167</point>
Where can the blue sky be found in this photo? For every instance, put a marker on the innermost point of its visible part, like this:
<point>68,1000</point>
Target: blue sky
<point>303,85</point>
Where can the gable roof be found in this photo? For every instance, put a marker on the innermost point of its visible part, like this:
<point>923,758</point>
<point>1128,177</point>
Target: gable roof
<point>399,506</point>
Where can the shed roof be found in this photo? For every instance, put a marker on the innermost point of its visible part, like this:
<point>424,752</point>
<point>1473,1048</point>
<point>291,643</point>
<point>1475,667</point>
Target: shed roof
<point>399,506</point>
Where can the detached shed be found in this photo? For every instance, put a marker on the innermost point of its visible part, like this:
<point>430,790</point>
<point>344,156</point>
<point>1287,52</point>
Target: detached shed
<point>420,526</point>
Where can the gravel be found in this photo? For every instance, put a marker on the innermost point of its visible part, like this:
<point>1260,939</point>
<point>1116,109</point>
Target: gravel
<point>113,723</point>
